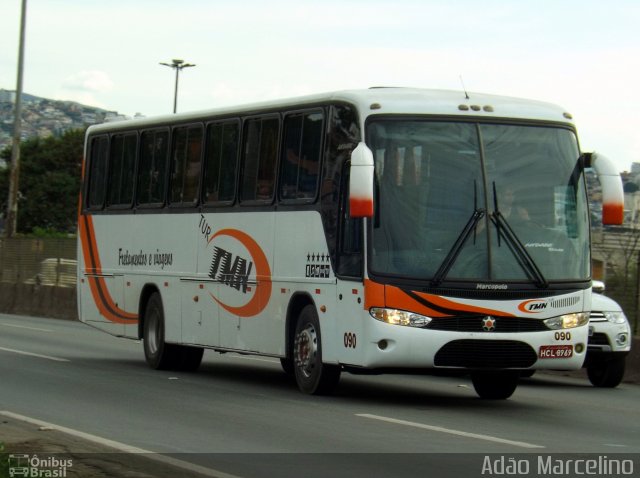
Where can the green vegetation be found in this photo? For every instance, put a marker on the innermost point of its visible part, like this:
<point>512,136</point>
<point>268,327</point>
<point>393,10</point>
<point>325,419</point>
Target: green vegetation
<point>49,183</point>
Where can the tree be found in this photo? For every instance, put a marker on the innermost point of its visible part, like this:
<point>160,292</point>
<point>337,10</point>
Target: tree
<point>50,171</point>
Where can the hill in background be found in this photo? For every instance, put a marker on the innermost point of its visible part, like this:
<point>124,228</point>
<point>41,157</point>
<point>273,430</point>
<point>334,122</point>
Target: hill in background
<point>45,117</point>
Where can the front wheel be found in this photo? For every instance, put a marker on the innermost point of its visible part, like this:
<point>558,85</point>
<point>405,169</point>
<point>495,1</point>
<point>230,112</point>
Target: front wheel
<point>495,385</point>
<point>159,354</point>
<point>606,373</point>
<point>312,376</point>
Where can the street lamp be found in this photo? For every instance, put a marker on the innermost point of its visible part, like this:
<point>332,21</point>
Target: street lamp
<point>177,65</point>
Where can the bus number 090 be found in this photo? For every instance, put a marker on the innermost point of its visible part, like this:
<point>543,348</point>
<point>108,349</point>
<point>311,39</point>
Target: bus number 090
<point>350,340</point>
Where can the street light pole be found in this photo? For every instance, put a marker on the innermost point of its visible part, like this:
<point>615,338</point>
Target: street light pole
<point>177,65</point>
<point>14,178</point>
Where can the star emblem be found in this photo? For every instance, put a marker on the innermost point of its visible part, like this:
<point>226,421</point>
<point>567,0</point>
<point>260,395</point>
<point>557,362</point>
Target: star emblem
<point>488,324</point>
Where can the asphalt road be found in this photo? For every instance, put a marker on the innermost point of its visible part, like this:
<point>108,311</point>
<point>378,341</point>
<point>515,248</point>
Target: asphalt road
<point>240,414</point>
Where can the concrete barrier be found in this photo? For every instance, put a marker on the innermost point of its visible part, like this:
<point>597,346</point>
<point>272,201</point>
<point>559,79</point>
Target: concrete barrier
<point>38,300</point>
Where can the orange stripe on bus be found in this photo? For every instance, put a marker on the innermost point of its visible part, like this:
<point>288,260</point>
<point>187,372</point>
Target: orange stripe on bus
<point>373,294</point>
<point>437,300</point>
<point>398,299</point>
<point>378,295</point>
<point>99,289</point>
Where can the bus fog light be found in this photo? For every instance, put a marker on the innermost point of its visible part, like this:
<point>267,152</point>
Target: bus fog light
<point>383,344</point>
<point>567,321</point>
<point>579,348</point>
<point>399,317</point>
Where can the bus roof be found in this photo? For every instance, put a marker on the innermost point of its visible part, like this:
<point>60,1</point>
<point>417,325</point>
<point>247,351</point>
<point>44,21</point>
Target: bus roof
<point>378,100</point>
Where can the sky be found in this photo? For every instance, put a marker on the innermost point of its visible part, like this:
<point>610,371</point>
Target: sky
<point>581,54</point>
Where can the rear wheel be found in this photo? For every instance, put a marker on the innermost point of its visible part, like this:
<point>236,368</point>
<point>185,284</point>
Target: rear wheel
<point>495,385</point>
<point>312,376</point>
<point>159,354</point>
<point>606,373</point>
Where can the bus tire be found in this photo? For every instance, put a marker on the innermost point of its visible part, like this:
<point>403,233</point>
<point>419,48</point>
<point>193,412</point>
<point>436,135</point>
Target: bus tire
<point>159,355</point>
<point>495,385</point>
<point>606,373</point>
<point>312,375</point>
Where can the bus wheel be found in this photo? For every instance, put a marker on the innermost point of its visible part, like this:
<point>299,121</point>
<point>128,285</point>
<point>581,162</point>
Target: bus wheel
<point>159,355</point>
<point>312,376</point>
<point>495,385</point>
<point>606,373</point>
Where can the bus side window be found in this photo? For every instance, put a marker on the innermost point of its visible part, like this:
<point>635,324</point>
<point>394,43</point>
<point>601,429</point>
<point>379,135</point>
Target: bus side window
<point>185,165</point>
<point>122,162</point>
<point>221,162</point>
<point>152,168</point>
<point>300,162</point>
<point>97,171</point>
<point>350,243</point>
<point>259,161</point>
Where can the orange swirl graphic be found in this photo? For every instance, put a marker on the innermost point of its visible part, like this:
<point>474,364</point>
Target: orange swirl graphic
<point>262,293</point>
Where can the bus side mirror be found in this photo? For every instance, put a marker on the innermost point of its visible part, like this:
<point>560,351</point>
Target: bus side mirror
<point>361,182</point>
<point>597,286</point>
<point>612,192</point>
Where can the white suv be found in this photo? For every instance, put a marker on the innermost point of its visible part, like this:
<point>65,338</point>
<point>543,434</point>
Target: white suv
<point>609,340</point>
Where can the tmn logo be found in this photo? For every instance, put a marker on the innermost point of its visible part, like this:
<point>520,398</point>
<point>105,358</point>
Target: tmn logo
<point>537,306</point>
<point>230,270</point>
<point>533,306</point>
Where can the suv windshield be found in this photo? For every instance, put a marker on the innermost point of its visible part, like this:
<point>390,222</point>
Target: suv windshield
<point>478,202</point>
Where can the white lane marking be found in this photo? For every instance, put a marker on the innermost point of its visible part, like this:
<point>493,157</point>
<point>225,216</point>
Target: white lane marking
<point>25,327</point>
<point>123,447</point>
<point>450,431</point>
<point>30,354</point>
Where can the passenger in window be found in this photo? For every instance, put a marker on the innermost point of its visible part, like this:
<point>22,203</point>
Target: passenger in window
<point>509,209</point>
<point>264,190</point>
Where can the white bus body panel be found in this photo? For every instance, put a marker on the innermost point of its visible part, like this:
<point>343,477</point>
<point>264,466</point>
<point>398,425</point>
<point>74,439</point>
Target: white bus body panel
<point>222,289</point>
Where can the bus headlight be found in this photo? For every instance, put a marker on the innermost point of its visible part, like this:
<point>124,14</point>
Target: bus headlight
<point>567,321</point>
<point>399,317</point>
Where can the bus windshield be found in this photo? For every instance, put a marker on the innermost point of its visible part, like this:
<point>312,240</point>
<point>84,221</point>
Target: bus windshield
<point>464,201</point>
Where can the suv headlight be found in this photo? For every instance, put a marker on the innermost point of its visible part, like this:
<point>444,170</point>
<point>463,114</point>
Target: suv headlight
<point>399,317</point>
<point>567,321</point>
<point>615,317</point>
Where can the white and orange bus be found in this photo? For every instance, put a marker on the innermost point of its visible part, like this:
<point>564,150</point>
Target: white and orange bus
<point>363,231</point>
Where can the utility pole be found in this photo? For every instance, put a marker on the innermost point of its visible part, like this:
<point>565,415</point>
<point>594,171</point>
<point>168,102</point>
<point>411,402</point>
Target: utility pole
<point>177,65</point>
<point>14,178</point>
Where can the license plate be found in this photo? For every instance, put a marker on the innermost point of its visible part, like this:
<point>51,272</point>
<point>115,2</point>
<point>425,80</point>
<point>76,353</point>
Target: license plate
<point>555,351</point>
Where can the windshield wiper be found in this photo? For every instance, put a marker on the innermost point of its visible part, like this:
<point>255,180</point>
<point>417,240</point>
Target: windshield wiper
<point>454,252</point>
<point>515,245</point>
